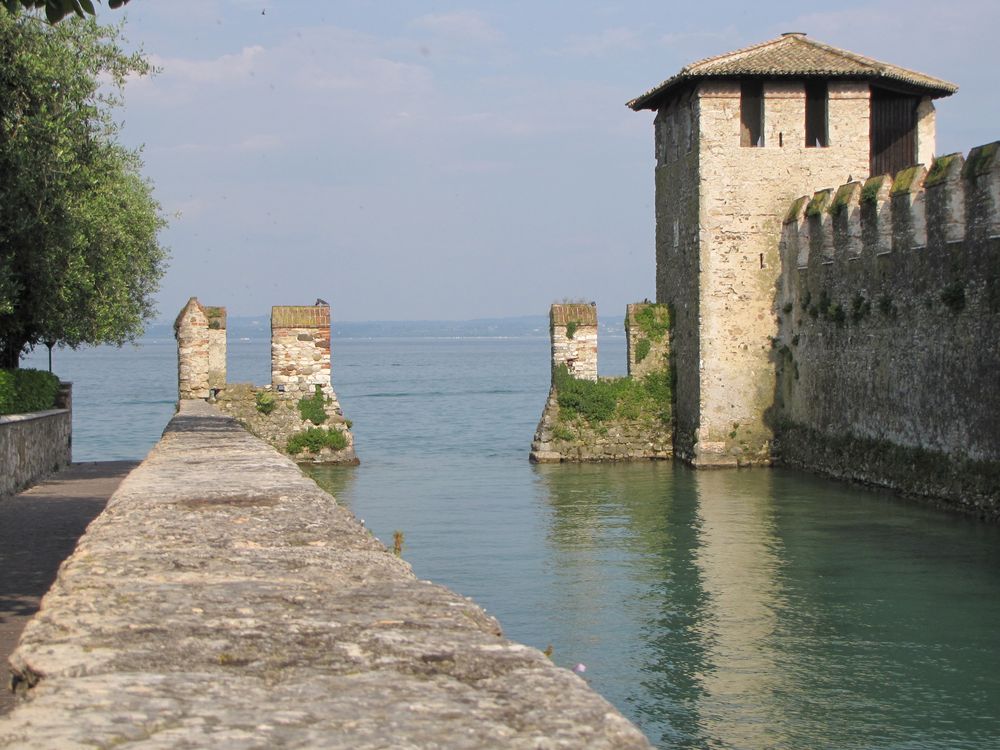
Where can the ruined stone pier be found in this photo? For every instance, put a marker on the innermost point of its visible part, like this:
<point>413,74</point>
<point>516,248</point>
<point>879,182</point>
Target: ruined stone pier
<point>223,600</point>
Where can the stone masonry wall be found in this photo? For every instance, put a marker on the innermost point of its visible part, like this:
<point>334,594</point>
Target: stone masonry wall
<point>300,349</point>
<point>631,433</point>
<point>240,401</point>
<point>559,439</point>
<point>32,446</point>
<point>678,263</point>
<point>888,353</point>
<point>201,349</point>
<point>573,328</point>
<point>647,338</point>
<point>723,300</point>
<point>223,600</point>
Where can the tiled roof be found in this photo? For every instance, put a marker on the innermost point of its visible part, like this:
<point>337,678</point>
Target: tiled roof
<point>795,55</point>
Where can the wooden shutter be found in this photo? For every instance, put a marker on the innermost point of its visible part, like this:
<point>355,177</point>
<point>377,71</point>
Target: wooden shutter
<point>893,131</point>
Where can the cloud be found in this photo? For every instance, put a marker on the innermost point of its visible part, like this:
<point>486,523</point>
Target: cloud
<point>596,45</point>
<point>224,69</point>
<point>464,25</point>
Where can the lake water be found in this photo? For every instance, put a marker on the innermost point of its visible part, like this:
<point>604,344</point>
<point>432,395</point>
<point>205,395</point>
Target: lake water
<point>730,609</point>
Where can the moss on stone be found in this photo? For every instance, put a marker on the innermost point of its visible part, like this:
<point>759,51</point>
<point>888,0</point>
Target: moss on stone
<point>981,160</point>
<point>795,210</point>
<point>818,203</point>
<point>871,189</point>
<point>939,170</point>
<point>842,198</point>
<point>906,179</point>
<point>653,320</point>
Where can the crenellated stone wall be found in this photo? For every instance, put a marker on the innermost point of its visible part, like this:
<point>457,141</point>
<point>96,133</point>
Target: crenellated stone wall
<point>887,352</point>
<point>638,424</point>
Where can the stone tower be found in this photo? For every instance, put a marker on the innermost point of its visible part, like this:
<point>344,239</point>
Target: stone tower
<point>201,350</point>
<point>574,339</point>
<point>300,350</point>
<point>737,138</point>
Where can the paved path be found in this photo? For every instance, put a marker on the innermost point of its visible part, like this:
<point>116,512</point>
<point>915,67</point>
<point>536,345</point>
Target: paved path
<point>38,530</point>
<point>224,601</point>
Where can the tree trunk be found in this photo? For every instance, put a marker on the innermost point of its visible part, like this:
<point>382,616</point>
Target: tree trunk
<point>10,355</point>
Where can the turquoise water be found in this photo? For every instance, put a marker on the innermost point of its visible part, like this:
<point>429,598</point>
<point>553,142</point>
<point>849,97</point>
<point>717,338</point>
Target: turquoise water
<point>733,609</point>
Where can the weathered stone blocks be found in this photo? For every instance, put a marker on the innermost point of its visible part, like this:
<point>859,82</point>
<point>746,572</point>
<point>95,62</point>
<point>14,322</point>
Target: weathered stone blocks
<point>637,432</point>
<point>224,600</point>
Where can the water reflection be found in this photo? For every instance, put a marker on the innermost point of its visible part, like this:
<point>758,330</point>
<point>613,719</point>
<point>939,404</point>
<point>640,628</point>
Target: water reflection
<point>739,559</point>
<point>333,478</point>
<point>770,609</point>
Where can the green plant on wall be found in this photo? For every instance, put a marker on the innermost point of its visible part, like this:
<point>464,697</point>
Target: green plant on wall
<point>564,433</point>
<point>265,402</point>
<point>313,408</point>
<point>571,328</point>
<point>315,439</point>
<point>653,320</point>
<point>642,347</point>
<point>605,399</point>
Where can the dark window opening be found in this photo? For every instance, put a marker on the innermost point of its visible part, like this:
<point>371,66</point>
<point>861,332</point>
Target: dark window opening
<point>893,131</point>
<point>752,113</point>
<point>817,132</point>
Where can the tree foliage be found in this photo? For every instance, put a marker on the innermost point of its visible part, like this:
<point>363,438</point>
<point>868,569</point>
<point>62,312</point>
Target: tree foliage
<point>79,254</point>
<point>56,10</point>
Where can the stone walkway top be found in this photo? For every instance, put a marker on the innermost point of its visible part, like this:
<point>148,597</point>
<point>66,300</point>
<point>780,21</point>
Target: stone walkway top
<point>223,600</point>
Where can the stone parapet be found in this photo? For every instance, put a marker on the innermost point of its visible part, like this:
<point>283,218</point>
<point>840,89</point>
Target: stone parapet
<point>224,600</point>
<point>886,354</point>
<point>32,446</point>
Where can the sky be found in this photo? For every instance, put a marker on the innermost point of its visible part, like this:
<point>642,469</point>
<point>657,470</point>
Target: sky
<point>410,160</point>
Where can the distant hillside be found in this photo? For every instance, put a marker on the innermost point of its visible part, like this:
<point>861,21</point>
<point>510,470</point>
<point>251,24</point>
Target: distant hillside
<point>524,326</point>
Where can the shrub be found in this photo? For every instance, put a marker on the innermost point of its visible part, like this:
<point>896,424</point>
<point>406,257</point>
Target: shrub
<point>24,391</point>
<point>598,401</point>
<point>571,327</point>
<point>265,402</point>
<point>315,439</point>
<point>313,408</point>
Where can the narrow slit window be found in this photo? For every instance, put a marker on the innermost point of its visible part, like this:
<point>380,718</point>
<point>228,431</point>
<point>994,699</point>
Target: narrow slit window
<point>752,113</point>
<point>817,133</point>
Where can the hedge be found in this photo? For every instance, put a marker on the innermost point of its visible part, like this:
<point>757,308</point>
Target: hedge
<point>24,391</point>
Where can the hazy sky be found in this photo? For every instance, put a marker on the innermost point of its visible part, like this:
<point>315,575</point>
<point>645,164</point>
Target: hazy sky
<point>448,160</point>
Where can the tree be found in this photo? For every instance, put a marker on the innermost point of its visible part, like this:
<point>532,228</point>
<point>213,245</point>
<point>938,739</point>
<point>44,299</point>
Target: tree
<point>56,10</point>
<point>79,254</point>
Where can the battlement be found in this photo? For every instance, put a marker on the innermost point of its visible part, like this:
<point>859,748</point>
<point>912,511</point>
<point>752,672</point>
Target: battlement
<point>300,370</point>
<point>958,198</point>
<point>587,418</point>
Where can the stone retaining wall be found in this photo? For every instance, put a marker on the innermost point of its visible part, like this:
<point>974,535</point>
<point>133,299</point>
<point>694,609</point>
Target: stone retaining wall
<point>35,445</point>
<point>224,600</point>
